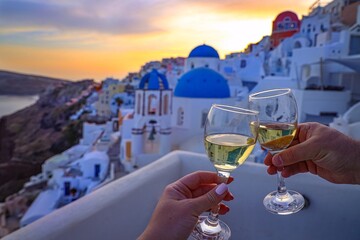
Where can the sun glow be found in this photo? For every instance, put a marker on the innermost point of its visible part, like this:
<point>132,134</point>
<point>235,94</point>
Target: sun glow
<point>122,44</point>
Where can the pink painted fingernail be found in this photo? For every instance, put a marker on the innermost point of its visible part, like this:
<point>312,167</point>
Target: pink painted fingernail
<point>277,160</point>
<point>221,189</point>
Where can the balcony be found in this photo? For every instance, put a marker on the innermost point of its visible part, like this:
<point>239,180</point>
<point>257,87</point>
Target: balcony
<point>121,209</point>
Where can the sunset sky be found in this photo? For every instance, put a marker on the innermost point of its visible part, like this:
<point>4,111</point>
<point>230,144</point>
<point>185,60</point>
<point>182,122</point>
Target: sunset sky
<point>76,39</point>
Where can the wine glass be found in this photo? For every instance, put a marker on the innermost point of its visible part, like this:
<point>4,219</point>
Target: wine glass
<point>278,119</point>
<point>229,137</point>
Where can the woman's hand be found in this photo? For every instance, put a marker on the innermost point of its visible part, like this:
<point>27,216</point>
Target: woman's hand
<point>181,203</point>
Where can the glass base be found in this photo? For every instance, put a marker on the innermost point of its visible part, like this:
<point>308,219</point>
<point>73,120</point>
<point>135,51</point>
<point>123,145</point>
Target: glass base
<point>199,233</point>
<point>284,204</point>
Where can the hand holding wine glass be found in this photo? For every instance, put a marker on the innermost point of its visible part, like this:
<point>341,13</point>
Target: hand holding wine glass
<point>186,199</point>
<point>229,136</point>
<point>320,150</point>
<point>277,127</point>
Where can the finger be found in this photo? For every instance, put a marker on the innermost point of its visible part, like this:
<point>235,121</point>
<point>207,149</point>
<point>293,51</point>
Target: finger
<point>230,179</point>
<point>301,149</point>
<point>228,197</point>
<point>206,188</point>
<point>203,189</point>
<point>223,209</point>
<point>272,170</point>
<point>303,167</point>
<point>294,142</point>
<point>294,169</point>
<point>211,198</point>
<point>193,180</point>
<point>268,159</point>
<point>301,152</point>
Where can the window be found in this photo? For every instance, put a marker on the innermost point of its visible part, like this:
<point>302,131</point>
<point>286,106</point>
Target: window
<point>287,25</point>
<point>66,188</point>
<point>242,63</point>
<point>166,104</point>
<point>180,116</point>
<point>192,65</point>
<point>97,169</point>
<point>297,44</point>
<point>152,104</point>
<point>138,103</point>
<point>322,28</point>
<point>354,45</point>
<point>128,151</point>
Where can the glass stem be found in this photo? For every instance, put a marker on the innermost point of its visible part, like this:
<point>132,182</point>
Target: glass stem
<point>281,184</point>
<point>281,188</point>
<point>213,217</point>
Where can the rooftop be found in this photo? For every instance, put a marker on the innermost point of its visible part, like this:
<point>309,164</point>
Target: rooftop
<point>204,51</point>
<point>202,82</point>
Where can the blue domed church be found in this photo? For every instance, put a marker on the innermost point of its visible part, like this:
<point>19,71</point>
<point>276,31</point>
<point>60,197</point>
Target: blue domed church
<point>151,122</point>
<point>194,94</point>
<point>203,56</point>
<point>202,83</point>
<point>165,120</point>
<point>197,89</point>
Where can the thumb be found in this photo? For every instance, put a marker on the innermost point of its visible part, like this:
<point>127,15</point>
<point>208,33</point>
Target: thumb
<point>297,153</point>
<point>211,198</point>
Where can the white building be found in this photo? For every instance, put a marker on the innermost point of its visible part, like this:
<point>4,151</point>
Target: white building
<point>321,62</point>
<point>163,121</point>
<point>150,123</point>
<point>69,183</point>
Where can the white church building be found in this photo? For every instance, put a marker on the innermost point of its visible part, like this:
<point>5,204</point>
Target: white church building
<point>165,119</point>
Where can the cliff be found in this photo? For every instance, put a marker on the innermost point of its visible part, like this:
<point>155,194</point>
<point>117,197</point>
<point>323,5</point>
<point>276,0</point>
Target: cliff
<point>12,83</point>
<point>32,135</point>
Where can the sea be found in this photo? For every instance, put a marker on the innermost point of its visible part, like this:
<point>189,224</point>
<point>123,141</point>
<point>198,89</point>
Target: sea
<point>12,103</point>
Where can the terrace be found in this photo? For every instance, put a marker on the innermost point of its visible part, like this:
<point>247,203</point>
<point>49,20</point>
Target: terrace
<point>121,209</point>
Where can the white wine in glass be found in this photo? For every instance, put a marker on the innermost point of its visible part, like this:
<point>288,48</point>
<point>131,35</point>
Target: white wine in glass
<point>278,118</point>
<point>229,137</point>
<point>276,136</point>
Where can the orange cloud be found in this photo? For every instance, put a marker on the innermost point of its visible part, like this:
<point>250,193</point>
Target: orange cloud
<point>97,39</point>
<point>75,64</point>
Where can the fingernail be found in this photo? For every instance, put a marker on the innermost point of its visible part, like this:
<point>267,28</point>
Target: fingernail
<point>221,189</point>
<point>277,160</point>
<point>231,197</point>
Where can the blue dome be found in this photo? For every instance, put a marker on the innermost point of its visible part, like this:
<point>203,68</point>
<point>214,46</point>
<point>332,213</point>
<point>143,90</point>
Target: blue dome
<point>202,83</point>
<point>204,51</point>
<point>154,81</point>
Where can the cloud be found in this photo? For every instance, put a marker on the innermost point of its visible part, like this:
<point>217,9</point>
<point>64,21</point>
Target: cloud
<point>250,8</point>
<point>108,16</point>
<point>121,17</point>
